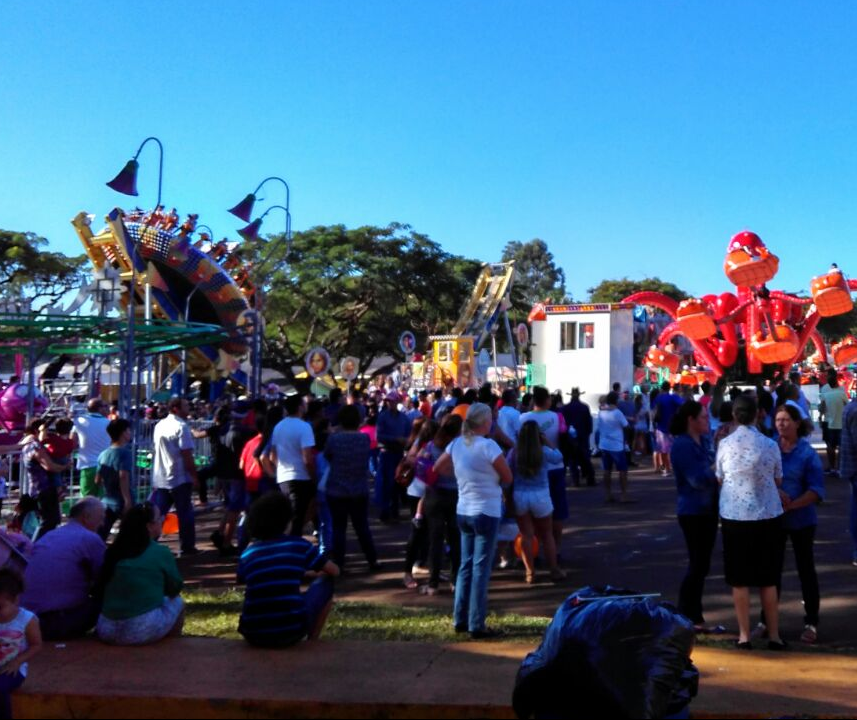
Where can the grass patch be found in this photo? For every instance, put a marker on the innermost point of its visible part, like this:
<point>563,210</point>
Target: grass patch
<point>216,615</point>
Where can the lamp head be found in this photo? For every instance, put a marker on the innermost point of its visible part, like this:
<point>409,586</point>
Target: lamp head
<point>126,181</point>
<point>250,232</point>
<point>244,209</point>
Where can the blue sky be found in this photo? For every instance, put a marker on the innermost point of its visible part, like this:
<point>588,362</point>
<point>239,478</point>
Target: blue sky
<point>634,137</point>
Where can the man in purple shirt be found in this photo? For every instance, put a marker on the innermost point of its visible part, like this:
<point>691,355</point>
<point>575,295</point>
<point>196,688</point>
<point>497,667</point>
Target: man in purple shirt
<point>62,571</point>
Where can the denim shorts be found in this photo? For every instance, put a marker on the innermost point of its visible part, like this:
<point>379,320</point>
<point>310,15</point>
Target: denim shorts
<point>142,629</point>
<point>536,501</point>
<point>236,496</point>
<point>614,458</point>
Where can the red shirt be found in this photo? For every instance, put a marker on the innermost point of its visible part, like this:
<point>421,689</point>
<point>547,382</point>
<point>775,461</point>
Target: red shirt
<point>59,447</point>
<point>250,464</point>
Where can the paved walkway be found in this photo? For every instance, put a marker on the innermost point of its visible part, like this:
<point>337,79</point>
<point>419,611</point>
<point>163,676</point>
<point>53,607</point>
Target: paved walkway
<point>205,678</point>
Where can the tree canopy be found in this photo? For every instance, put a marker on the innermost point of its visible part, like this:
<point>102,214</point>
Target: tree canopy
<point>537,276</point>
<point>611,291</point>
<point>354,291</point>
<point>27,271</point>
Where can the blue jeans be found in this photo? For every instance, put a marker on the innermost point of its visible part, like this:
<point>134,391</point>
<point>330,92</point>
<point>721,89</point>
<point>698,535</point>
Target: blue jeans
<point>854,519</point>
<point>8,684</point>
<point>325,524</point>
<point>386,491</point>
<point>357,508</point>
<point>478,542</point>
<point>182,498</point>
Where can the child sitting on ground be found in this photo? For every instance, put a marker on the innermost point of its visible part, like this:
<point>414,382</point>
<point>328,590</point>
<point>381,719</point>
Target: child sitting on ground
<point>20,638</point>
<point>275,612</point>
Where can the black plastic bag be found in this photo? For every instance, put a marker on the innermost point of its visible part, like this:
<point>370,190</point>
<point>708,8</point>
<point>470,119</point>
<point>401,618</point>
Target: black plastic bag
<point>609,651</point>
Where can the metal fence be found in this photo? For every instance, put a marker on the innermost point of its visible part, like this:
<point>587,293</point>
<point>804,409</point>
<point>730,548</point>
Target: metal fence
<point>16,482</point>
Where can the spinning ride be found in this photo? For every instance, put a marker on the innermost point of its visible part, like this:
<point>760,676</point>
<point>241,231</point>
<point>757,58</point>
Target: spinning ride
<point>770,326</point>
<point>176,279</point>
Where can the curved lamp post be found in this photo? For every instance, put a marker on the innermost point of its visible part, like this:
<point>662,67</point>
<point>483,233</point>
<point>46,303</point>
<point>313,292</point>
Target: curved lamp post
<point>126,183</point>
<point>250,233</point>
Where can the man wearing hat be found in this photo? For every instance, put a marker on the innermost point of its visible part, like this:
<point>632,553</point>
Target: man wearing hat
<point>393,430</point>
<point>578,415</point>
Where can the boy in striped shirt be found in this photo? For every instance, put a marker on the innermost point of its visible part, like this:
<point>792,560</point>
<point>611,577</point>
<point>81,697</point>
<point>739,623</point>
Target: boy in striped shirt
<point>275,612</point>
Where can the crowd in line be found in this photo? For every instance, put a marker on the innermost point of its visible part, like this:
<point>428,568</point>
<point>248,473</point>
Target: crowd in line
<point>468,465</point>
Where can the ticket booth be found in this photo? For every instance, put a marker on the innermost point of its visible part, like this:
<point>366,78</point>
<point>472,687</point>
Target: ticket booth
<point>452,361</point>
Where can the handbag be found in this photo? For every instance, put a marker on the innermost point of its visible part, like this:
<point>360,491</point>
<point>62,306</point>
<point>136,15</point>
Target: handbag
<point>404,472</point>
<point>424,467</point>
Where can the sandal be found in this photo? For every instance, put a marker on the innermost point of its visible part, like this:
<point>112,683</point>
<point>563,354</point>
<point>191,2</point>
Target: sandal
<point>530,578</point>
<point>409,582</point>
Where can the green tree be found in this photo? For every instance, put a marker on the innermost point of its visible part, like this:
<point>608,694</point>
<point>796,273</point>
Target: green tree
<point>354,291</point>
<point>29,272</point>
<point>833,329</point>
<point>611,291</point>
<point>537,276</point>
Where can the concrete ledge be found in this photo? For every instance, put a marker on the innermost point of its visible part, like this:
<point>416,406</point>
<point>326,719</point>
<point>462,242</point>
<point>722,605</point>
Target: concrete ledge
<point>206,678</point>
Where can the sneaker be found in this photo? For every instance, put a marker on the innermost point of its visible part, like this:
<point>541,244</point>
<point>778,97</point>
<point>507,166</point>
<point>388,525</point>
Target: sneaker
<point>809,635</point>
<point>760,632</point>
<point>505,563</point>
<point>428,590</point>
<point>419,569</point>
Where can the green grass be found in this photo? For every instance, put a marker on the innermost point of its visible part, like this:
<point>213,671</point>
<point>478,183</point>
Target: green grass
<point>216,615</point>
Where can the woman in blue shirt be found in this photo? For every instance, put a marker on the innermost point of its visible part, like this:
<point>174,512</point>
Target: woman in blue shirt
<point>692,459</point>
<point>802,490</point>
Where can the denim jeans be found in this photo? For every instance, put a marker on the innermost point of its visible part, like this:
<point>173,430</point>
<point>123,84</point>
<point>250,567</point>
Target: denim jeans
<point>182,498</point>
<point>386,490</point>
<point>854,519</point>
<point>478,543</point>
<point>357,508</point>
<point>8,684</point>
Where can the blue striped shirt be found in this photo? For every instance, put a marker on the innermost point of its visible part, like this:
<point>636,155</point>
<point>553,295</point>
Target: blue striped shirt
<point>273,603</point>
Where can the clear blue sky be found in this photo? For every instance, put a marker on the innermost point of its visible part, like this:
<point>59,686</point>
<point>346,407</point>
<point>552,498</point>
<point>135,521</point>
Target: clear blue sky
<point>634,137</point>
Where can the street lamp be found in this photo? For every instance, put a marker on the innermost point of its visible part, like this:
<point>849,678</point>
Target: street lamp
<point>250,233</point>
<point>126,183</point>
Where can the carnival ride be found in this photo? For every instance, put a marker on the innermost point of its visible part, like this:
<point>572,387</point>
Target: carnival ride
<point>176,279</point>
<point>771,327</point>
<point>453,355</point>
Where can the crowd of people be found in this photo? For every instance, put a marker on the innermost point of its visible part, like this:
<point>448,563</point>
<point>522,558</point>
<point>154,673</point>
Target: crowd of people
<point>465,465</point>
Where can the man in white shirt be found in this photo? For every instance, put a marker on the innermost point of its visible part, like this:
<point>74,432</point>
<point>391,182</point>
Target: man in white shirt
<point>92,440</point>
<point>292,451</point>
<point>833,402</point>
<point>174,471</point>
<point>611,441</point>
<point>509,417</point>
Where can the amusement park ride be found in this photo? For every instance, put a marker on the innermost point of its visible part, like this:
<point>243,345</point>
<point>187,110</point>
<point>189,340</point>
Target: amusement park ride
<point>178,278</point>
<point>453,356</point>
<point>773,328</point>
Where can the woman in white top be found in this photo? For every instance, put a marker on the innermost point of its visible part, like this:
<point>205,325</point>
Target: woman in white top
<point>481,469</point>
<point>611,442</point>
<point>750,470</point>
